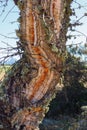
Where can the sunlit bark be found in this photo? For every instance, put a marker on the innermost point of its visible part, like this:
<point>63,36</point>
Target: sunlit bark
<point>41,26</point>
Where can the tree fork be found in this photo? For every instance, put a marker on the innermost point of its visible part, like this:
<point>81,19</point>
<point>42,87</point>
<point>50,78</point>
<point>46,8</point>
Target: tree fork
<point>41,28</point>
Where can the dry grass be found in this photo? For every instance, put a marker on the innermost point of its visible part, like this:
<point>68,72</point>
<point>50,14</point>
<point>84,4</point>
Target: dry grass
<point>2,74</point>
<point>3,70</point>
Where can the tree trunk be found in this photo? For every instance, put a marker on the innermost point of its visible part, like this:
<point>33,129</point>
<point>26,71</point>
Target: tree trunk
<point>32,82</point>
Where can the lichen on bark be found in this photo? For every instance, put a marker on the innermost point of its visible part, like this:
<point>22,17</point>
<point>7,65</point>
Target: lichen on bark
<point>31,85</point>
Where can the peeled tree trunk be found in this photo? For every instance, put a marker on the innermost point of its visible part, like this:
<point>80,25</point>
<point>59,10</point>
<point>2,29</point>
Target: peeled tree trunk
<point>33,81</point>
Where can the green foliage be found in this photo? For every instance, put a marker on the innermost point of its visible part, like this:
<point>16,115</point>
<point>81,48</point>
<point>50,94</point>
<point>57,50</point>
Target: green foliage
<point>78,50</point>
<point>74,94</point>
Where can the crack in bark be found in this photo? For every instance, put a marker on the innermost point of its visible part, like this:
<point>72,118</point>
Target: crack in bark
<point>39,85</point>
<point>46,62</point>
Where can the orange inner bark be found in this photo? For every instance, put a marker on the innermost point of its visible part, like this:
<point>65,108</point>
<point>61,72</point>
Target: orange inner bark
<point>39,54</point>
<point>45,69</point>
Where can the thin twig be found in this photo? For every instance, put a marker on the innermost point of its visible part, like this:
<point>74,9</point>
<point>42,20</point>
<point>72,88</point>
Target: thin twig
<point>8,13</point>
<point>8,37</point>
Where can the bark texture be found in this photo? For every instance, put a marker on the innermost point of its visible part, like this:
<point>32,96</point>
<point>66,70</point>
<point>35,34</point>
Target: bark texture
<point>32,82</point>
